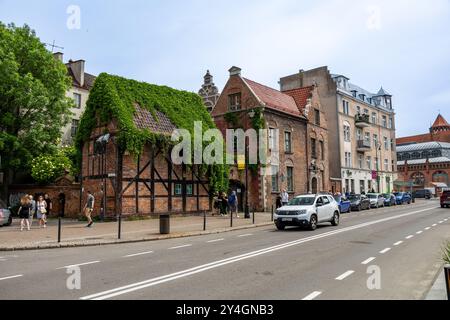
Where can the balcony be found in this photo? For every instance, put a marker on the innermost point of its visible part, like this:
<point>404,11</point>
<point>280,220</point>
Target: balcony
<point>363,146</point>
<point>362,120</point>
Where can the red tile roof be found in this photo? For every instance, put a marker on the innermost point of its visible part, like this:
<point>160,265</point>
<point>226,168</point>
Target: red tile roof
<point>301,96</point>
<point>274,99</point>
<point>143,119</point>
<point>440,122</point>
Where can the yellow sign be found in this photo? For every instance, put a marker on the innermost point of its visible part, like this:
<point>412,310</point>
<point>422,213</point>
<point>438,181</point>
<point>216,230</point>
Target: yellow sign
<point>241,161</point>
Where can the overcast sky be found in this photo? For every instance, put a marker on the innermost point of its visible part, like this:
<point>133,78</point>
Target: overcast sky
<point>402,45</point>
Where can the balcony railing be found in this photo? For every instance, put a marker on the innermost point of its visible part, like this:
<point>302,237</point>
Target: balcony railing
<point>363,146</point>
<point>362,120</point>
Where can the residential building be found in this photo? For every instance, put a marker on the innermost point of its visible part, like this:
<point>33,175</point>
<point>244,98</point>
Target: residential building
<point>209,92</point>
<point>299,143</point>
<point>361,131</point>
<point>82,83</point>
<point>439,131</point>
<point>424,165</point>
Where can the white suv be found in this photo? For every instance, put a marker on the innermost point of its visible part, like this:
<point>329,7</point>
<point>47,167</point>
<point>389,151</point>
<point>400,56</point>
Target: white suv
<point>309,211</point>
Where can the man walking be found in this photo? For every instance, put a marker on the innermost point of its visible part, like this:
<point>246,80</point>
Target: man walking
<point>89,208</point>
<point>284,198</point>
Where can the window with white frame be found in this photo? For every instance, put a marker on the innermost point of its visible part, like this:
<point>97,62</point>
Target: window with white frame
<point>346,133</point>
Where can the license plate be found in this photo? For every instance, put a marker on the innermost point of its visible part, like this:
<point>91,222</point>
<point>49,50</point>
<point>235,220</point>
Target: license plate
<point>287,219</point>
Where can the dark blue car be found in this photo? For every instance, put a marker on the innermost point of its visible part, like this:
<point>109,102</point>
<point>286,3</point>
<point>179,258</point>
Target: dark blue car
<point>403,197</point>
<point>344,204</point>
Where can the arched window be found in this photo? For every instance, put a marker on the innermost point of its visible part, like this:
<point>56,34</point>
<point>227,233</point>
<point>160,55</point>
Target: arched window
<point>426,154</point>
<point>418,178</point>
<point>407,156</point>
<point>415,155</point>
<point>436,153</point>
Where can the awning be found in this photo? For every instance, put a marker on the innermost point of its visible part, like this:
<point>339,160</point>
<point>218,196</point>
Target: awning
<point>439,184</point>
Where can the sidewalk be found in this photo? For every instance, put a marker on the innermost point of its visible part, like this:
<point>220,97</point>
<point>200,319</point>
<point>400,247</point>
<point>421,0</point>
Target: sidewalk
<point>438,291</point>
<point>75,233</point>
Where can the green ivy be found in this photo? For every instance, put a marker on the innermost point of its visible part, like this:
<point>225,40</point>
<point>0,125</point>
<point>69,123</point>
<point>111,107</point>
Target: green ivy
<point>231,118</point>
<point>114,97</point>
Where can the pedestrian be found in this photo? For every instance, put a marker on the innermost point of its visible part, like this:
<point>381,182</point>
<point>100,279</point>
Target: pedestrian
<point>284,198</point>
<point>223,204</point>
<point>233,203</point>
<point>279,204</point>
<point>41,212</point>
<point>24,212</point>
<point>49,204</point>
<point>89,208</point>
<point>33,209</point>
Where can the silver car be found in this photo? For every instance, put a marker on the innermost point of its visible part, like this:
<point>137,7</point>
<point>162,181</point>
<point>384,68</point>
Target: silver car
<point>5,215</point>
<point>376,200</point>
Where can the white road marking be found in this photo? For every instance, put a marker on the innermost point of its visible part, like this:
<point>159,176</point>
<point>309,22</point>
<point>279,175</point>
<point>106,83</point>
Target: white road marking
<point>427,228</point>
<point>434,225</point>
<point>385,250</point>
<point>217,240</point>
<point>368,260</point>
<point>245,235</point>
<point>419,232</point>
<point>78,265</point>
<point>11,277</point>
<point>440,222</point>
<point>398,243</point>
<point>138,254</point>
<point>312,296</point>
<point>216,264</point>
<point>409,237</point>
<point>179,247</point>
<point>345,275</point>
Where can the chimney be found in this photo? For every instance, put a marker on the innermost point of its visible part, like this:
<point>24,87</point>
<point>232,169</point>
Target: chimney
<point>58,56</point>
<point>235,71</point>
<point>78,70</point>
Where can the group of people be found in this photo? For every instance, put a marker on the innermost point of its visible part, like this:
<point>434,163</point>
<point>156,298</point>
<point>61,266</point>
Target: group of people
<point>227,204</point>
<point>29,208</point>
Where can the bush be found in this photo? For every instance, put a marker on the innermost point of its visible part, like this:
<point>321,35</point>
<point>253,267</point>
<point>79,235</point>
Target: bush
<point>47,168</point>
<point>446,256</point>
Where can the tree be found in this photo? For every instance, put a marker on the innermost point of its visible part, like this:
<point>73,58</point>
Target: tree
<point>33,103</point>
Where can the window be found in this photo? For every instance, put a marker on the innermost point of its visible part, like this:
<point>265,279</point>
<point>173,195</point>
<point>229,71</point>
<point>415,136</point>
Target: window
<point>317,117</point>
<point>290,179</point>
<point>367,137</point>
<point>386,165</point>
<point>374,117</point>
<point>348,159</point>
<point>360,161</point>
<point>352,186</point>
<point>347,185</point>
<point>313,148</point>
<point>362,97</point>
<point>287,142</point>
<point>416,155</point>
<point>393,165</point>
<point>275,171</point>
<point>384,121</point>
<point>272,142</point>
<point>234,102</point>
<point>366,111</point>
<point>189,189</point>
<point>346,133</point>
<point>77,100</point>
<point>375,140</point>
<point>369,163</point>
<point>362,186</point>
<point>391,123</point>
<point>322,150</point>
<point>345,107</point>
<point>358,109</point>
<point>178,189</point>
<point>358,134</point>
<point>386,143</point>
<point>74,128</point>
<point>377,163</point>
<point>392,145</point>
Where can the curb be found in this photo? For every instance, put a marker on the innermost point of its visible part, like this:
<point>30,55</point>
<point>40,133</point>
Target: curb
<point>113,242</point>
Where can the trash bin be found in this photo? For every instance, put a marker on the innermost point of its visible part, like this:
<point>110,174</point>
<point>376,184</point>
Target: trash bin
<point>164,224</point>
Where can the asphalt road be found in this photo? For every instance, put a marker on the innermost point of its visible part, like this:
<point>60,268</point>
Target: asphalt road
<point>402,245</point>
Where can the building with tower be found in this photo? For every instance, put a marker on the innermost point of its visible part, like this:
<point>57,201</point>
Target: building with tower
<point>209,92</point>
<point>439,131</point>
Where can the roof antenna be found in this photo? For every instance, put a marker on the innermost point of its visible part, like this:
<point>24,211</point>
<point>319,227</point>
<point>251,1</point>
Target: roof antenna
<point>53,46</point>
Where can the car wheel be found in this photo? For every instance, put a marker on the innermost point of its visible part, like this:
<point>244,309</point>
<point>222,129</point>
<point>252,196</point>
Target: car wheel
<point>280,226</point>
<point>336,220</point>
<point>313,223</point>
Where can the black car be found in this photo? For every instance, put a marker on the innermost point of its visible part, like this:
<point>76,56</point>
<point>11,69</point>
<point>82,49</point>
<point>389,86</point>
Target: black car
<point>423,194</point>
<point>359,202</point>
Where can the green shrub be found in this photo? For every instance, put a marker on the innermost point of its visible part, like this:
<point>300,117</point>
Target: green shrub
<point>446,255</point>
<point>47,168</point>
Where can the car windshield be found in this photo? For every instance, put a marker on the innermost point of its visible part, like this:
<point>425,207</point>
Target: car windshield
<point>354,197</point>
<point>372,196</point>
<point>302,201</point>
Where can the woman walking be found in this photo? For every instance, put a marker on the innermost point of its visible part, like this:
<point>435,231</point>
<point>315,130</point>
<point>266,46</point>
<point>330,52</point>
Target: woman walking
<point>33,209</point>
<point>42,212</point>
<point>24,212</point>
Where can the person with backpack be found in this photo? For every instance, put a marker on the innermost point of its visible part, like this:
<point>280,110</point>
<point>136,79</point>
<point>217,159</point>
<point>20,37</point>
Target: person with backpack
<point>233,203</point>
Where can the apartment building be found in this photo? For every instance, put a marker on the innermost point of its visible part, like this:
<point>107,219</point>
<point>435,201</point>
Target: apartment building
<point>361,126</point>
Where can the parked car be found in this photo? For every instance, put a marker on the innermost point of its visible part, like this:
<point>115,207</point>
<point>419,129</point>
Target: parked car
<point>5,215</point>
<point>403,197</point>
<point>376,200</point>
<point>308,211</point>
<point>423,194</point>
<point>445,199</point>
<point>359,202</point>
<point>343,203</point>
<point>389,200</point>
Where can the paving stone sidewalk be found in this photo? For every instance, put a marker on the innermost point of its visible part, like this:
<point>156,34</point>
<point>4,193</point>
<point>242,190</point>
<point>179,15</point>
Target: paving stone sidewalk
<point>75,233</point>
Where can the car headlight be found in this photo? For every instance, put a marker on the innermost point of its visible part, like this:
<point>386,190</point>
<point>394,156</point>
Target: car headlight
<point>301,212</point>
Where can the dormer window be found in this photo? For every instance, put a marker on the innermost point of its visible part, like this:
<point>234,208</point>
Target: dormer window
<point>234,102</point>
<point>354,92</point>
<point>389,102</point>
<point>362,97</point>
<point>369,100</point>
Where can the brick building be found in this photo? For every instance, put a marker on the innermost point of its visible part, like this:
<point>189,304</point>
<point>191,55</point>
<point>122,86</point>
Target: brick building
<point>149,183</point>
<point>289,113</point>
<point>439,131</point>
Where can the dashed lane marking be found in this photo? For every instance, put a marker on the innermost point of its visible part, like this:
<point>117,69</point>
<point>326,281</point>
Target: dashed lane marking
<point>312,296</point>
<point>345,275</point>
<point>409,237</point>
<point>138,254</point>
<point>398,243</point>
<point>217,240</point>
<point>179,247</point>
<point>368,260</point>
<point>385,250</point>
<point>11,277</point>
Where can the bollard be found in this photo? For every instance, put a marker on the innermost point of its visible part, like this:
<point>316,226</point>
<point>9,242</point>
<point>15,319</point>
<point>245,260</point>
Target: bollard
<point>164,224</point>
<point>204,220</point>
<point>119,231</point>
<point>254,218</point>
<point>231,220</point>
<point>447,279</point>
<point>59,229</point>
<point>272,214</point>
